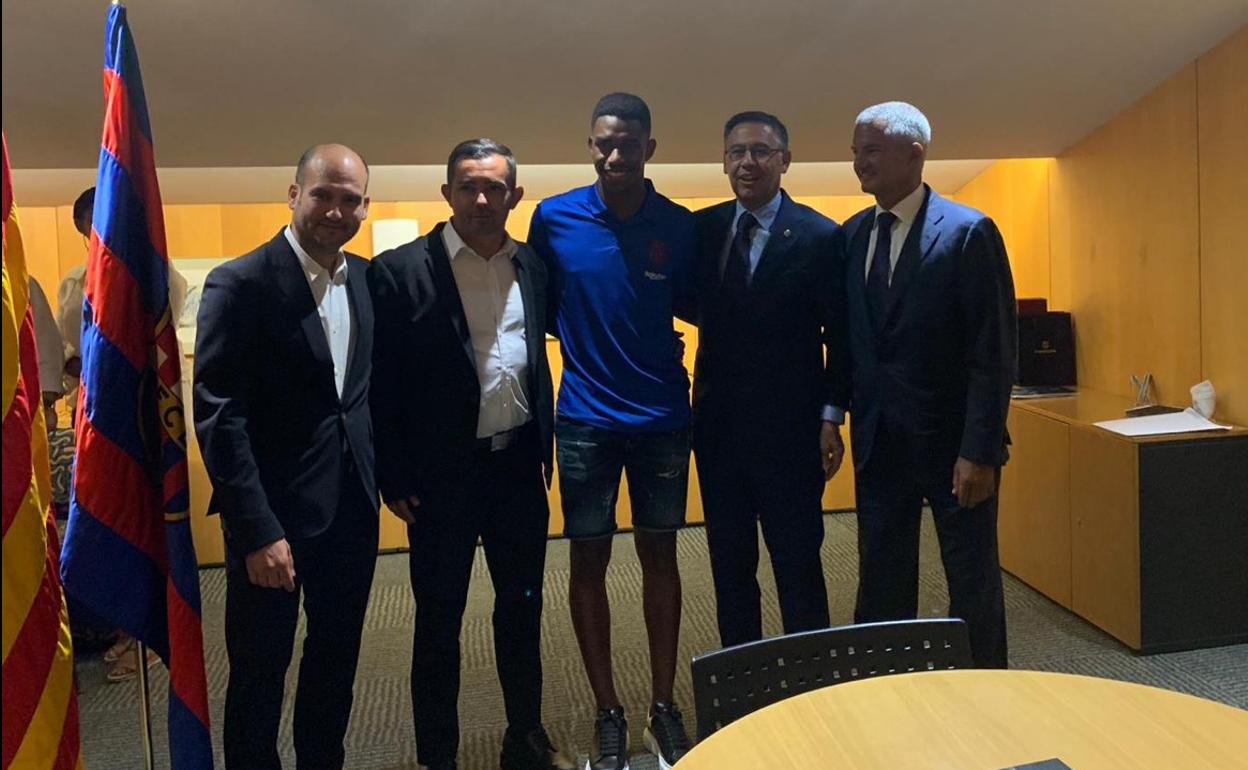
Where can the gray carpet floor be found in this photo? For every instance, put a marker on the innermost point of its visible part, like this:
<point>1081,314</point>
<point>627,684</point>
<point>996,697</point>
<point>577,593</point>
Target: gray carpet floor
<point>1042,636</point>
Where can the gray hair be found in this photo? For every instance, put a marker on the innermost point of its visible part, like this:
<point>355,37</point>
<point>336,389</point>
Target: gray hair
<point>898,119</point>
<point>480,149</point>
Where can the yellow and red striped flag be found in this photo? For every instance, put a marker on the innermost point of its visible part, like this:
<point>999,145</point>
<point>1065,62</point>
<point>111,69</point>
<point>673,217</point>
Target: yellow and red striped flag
<point>40,726</point>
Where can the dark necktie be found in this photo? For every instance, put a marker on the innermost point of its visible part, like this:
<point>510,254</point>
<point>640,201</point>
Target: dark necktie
<point>877,275</point>
<point>737,271</point>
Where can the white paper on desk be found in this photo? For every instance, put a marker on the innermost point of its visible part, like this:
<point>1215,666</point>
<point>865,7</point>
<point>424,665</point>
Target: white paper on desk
<point>1186,421</point>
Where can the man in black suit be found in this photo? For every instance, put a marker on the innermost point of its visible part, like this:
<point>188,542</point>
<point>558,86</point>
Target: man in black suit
<point>283,356</point>
<point>463,405</point>
<point>933,354</point>
<point>764,436</point>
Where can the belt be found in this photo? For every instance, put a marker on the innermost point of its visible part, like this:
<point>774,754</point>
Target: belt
<point>499,441</point>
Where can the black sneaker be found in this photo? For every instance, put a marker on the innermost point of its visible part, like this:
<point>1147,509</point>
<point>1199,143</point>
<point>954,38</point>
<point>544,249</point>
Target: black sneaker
<point>610,740</point>
<point>665,735</point>
<point>531,751</point>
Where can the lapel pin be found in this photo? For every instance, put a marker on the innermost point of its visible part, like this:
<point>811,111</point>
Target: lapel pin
<point>788,233</point>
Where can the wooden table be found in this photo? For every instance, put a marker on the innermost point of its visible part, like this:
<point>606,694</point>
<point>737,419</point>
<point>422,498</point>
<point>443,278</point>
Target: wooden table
<point>981,720</point>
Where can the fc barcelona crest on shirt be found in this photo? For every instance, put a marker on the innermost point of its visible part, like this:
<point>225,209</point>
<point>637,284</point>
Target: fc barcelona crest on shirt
<point>656,260</point>
<point>659,254</point>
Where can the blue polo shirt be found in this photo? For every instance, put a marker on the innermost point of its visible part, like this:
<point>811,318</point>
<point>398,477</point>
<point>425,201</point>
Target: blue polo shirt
<point>614,283</point>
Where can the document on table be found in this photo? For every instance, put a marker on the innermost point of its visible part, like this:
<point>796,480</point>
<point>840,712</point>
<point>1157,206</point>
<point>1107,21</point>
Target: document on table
<point>1186,421</point>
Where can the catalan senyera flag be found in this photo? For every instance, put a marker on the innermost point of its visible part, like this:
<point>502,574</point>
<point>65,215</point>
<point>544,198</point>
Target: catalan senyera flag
<point>40,706</point>
<point>128,552</point>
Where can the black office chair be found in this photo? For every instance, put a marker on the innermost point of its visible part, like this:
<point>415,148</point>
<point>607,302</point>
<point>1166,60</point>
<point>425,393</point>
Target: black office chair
<point>730,683</point>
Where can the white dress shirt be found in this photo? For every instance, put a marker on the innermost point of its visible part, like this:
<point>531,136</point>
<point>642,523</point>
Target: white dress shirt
<point>333,305</point>
<point>494,308</point>
<point>906,210</point>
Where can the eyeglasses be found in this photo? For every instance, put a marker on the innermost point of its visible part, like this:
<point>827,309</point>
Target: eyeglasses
<point>760,152</point>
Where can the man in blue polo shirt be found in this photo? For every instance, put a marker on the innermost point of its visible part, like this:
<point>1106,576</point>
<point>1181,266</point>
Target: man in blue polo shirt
<point>620,258</point>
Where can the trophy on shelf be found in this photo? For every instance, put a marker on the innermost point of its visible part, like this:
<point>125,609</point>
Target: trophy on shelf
<point>1145,404</point>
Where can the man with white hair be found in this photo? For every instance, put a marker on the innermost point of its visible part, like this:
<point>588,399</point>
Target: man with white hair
<point>932,356</point>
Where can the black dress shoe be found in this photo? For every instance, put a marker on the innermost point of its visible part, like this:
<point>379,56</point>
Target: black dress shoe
<point>531,751</point>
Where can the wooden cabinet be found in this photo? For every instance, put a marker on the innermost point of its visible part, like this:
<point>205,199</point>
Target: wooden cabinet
<point>1034,527</point>
<point>1146,538</point>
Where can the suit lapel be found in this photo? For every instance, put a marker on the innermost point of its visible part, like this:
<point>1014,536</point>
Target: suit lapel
<point>534,335</point>
<point>361,321</point>
<point>297,296</point>
<point>721,230</point>
<point>856,281</point>
<point>784,235</point>
<point>923,236</point>
<point>448,292</point>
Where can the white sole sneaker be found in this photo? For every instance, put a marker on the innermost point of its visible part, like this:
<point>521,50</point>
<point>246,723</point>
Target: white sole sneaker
<point>625,767</point>
<point>652,745</point>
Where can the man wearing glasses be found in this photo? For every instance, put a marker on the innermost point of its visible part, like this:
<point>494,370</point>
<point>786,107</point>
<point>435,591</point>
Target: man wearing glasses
<point>765,439</point>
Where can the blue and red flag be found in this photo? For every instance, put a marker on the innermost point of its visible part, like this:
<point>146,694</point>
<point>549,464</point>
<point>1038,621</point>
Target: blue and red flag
<point>128,553</point>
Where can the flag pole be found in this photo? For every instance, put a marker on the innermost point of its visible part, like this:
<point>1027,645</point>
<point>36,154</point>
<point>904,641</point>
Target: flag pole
<point>145,686</point>
<point>145,700</point>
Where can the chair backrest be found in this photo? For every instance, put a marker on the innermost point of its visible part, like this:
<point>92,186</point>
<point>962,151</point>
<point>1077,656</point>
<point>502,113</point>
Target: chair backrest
<point>730,683</point>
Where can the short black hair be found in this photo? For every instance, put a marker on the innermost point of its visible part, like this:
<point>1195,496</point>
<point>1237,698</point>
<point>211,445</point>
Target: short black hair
<point>480,149</point>
<point>627,107</point>
<point>84,206</point>
<point>757,116</point>
<point>301,168</point>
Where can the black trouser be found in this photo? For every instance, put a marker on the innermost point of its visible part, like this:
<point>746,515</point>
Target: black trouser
<point>499,497</point>
<point>740,491</point>
<point>890,490</point>
<point>334,573</point>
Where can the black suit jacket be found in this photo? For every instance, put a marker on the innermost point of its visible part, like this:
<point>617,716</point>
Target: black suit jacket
<point>761,364</point>
<point>271,426</point>
<point>426,393</point>
<point>942,365</point>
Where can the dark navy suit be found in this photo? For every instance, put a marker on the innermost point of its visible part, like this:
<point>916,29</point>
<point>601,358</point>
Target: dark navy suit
<point>288,458</point>
<point>760,384</point>
<point>929,382</point>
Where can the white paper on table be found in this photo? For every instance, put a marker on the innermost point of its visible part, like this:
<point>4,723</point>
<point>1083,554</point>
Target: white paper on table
<point>1186,421</point>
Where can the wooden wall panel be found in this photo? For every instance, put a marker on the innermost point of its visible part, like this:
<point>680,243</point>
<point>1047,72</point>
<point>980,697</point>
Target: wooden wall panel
<point>1015,193</point>
<point>205,529</point>
<point>244,226</point>
<point>838,207</point>
<point>71,246</point>
<point>193,231</point>
<point>40,243</point>
<point>1222,87</point>
<point>1125,230</point>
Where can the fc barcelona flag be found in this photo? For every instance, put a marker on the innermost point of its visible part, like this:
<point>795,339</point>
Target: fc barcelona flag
<point>128,553</point>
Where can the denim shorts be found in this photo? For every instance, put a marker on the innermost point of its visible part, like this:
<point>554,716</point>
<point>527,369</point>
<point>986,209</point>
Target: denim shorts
<point>590,462</point>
